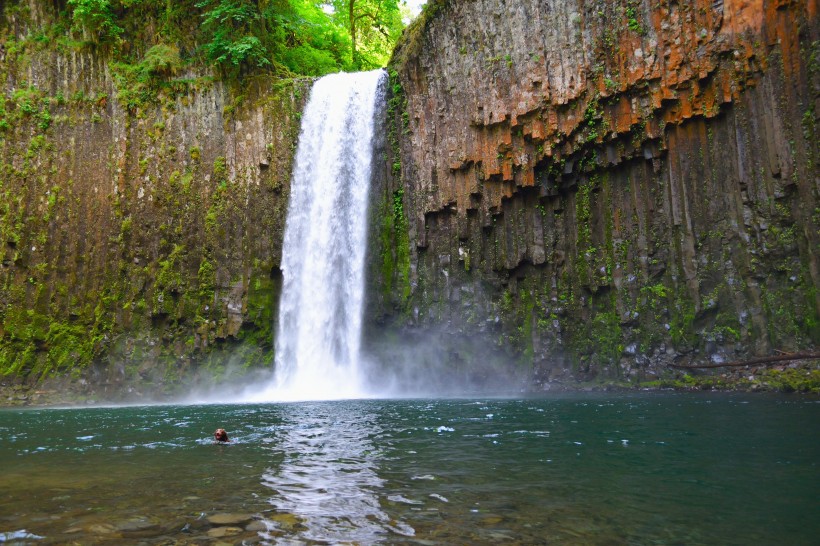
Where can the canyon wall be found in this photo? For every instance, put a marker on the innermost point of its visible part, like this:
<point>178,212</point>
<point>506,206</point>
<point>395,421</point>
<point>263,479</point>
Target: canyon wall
<point>142,219</point>
<point>604,188</point>
<point>571,190</point>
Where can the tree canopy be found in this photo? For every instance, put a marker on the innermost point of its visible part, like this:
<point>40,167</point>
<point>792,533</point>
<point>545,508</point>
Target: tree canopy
<point>295,37</point>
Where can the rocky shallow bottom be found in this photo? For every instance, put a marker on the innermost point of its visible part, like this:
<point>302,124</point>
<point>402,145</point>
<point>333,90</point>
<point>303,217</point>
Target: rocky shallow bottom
<point>216,529</point>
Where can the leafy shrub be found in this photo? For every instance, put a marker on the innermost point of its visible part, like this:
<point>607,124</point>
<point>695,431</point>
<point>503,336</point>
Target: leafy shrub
<point>305,59</point>
<point>232,43</point>
<point>162,60</point>
<point>95,16</point>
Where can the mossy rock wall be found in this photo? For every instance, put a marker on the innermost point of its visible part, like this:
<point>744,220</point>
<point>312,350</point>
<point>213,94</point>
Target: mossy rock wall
<point>141,242</point>
<point>604,189</point>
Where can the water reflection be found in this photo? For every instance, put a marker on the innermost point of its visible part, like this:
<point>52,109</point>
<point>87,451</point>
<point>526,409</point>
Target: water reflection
<point>329,478</point>
<point>586,469</point>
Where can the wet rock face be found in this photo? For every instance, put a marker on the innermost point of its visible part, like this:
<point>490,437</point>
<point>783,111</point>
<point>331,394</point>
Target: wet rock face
<point>617,185</point>
<point>140,233</point>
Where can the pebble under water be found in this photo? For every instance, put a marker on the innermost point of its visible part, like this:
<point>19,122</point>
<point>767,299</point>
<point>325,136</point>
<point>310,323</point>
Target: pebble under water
<point>648,468</point>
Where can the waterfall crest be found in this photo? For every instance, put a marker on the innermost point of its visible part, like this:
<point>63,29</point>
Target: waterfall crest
<point>320,311</point>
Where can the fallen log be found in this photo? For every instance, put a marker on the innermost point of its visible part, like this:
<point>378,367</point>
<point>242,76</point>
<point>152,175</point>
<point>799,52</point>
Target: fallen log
<point>766,360</point>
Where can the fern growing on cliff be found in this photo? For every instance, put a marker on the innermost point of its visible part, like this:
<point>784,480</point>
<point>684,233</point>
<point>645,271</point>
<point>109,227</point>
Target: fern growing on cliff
<point>232,24</point>
<point>95,17</point>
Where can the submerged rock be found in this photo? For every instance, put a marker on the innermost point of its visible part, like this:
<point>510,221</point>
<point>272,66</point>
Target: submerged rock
<point>220,532</point>
<point>136,524</point>
<point>256,526</point>
<point>229,519</point>
<point>286,521</point>
<point>102,529</point>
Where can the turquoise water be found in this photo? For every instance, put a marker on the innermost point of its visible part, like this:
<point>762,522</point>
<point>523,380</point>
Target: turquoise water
<point>652,468</point>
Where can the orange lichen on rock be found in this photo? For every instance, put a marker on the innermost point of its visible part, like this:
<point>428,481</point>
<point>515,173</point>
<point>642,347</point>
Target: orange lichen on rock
<point>600,76</point>
<point>745,15</point>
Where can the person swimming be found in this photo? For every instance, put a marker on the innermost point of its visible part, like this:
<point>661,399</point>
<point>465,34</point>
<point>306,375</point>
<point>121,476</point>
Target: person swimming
<point>220,436</point>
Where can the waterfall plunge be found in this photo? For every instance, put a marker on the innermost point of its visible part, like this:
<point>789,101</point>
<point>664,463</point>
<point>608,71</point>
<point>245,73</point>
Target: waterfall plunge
<point>320,312</point>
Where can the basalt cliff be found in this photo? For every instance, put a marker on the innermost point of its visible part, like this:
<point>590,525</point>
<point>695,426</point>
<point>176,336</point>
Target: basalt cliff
<point>572,190</point>
<point>142,212</point>
<point>607,189</point>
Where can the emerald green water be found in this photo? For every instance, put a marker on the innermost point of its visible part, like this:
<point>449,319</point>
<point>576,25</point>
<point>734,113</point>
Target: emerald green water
<point>652,468</point>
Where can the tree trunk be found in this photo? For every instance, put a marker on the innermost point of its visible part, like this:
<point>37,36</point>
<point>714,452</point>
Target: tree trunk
<point>351,5</point>
<point>766,360</point>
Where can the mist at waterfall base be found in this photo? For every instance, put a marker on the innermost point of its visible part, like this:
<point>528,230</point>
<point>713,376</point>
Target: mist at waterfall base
<point>318,336</point>
<point>318,341</point>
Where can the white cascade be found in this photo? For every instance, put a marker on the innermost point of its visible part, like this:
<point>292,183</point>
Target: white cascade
<point>320,311</point>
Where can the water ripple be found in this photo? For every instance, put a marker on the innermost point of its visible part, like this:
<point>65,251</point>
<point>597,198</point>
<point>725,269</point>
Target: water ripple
<point>329,476</point>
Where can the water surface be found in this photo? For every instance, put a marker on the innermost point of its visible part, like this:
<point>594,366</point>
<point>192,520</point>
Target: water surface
<point>653,468</point>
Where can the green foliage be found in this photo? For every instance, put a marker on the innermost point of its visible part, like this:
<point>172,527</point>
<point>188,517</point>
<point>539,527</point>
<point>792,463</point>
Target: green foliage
<point>682,322</point>
<point>657,291</point>
<point>305,59</point>
<point>802,379</point>
<point>161,59</point>
<point>525,328</point>
<point>394,234</point>
<point>238,37</point>
<point>220,168</point>
<point>96,17</point>
<point>69,345</point>
<point>791,380</point>
<point>36,344</point>
<point>168,276</point>
<point>29,102</point>
<point>592,119</point>
<point>261,295</point>
<point>306,40</point>
<point>207,280</point>
<point>26,100</point>
<point>788,307</point>
<point>44,119</point>
<point>4,122</point>
<point>395,243</point>
<point>140,83</point>
<point>606,336</point>
<point>632,21</point>
<point>299,36</point>
<point>231,24</point>
<point>600,338</point>
<point>373,27</point>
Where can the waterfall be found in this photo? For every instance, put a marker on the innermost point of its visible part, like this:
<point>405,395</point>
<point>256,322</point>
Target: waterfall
<point>320,311</point>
